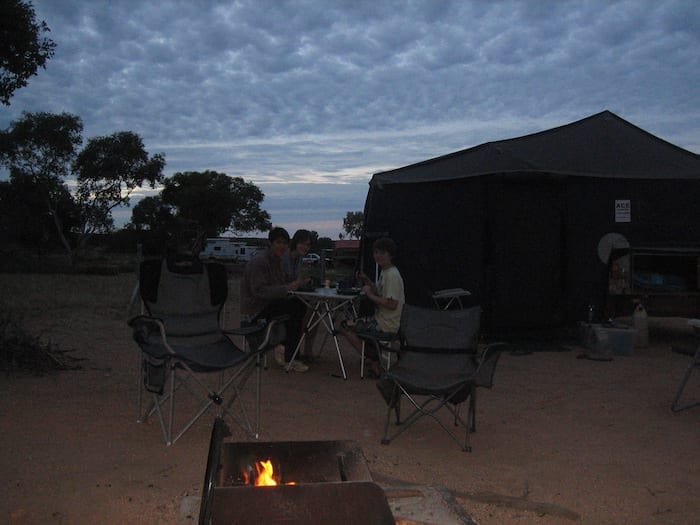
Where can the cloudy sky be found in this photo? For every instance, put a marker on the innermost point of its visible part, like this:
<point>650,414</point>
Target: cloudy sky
<point>307,99</point>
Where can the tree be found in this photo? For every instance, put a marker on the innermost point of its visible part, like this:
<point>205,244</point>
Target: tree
<point>151,214</point>
<point>38,150</point>
<point>108,171</point>
<point>353,223</point>
<point>22,48</point>
<point>216,202</point>
<point>24,217</point>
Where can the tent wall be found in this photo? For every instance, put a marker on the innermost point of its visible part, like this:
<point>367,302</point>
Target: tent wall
<point>526,245</point>
<point>439,230</point>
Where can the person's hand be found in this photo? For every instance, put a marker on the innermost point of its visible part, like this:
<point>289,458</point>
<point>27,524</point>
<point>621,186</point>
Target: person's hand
<point>362,277</point>
<point>367,289</point>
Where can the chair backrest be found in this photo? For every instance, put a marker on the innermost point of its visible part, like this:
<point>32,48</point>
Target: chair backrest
<point>443,331</point>
<point>186,296</point>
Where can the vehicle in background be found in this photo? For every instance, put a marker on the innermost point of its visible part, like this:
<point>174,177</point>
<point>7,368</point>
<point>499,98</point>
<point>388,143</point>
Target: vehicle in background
<point>311,258</point>
<point>226,249</point>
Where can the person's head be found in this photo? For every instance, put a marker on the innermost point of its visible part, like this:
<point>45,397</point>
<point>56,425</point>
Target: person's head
<point>301,242</point>
<point>384,251</point>
<point>279,240</point>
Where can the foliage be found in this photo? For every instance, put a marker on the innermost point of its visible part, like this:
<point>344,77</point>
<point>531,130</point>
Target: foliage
<point>23,49</point>
<point>150,213</point>
<point>324,243</point>
<point>41,152</point>
<point>108,170</point>
<point>215,202</point>
<point>353,223</point>
<point>22,219</point>
<point>41,145</point>
<point>39,149</point>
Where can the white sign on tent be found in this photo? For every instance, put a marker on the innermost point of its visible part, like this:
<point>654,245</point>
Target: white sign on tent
<point>623,211</point>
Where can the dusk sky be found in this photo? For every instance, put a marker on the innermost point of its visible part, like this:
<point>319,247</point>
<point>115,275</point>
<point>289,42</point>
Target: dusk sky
<point>307,99</point>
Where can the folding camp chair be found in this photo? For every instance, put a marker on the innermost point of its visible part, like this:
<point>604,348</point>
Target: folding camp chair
<point>382,345</point>
<point>449,298</point>
<point>182,343</point>
<point>695,363</point>
<point>439,365</point>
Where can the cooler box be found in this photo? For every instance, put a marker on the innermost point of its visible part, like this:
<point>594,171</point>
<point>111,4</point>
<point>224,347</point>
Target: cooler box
<point>609,339</point>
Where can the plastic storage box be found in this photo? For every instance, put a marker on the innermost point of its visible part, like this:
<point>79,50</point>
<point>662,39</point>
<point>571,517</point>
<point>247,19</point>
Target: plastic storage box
<point>609,339</point>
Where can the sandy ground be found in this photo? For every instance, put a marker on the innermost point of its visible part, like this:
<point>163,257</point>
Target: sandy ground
<point>559,439</point>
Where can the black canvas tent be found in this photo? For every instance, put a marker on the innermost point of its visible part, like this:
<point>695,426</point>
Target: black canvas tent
<point>520,222</point>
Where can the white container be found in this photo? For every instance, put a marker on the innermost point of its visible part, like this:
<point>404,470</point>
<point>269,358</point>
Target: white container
<point>616,340</point>
<point>640,320</point>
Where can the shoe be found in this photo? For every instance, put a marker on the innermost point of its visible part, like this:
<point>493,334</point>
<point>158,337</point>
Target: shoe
<point>279,355</point>
<point>298,366</point>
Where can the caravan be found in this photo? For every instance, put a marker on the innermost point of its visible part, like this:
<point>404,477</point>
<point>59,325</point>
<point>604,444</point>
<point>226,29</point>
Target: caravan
<point>227,249</point>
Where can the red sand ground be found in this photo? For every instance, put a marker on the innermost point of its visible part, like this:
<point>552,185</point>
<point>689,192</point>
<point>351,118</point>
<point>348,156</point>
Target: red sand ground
<point>559,439</point>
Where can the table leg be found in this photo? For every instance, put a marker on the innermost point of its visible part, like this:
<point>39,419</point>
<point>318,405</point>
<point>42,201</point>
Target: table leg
<point>335,340</point>
<point>314,319</point>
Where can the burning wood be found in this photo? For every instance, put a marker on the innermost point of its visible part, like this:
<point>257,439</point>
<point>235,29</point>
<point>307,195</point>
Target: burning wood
<point>263,475</point>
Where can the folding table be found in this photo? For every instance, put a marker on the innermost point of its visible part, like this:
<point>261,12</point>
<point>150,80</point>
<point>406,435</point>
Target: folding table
<point>325,303</point>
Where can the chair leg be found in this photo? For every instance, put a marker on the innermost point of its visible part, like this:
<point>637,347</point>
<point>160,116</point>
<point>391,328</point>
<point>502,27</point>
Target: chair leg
<point>677,406</point>
<point>139,399</point>
<point>430,407</point>
<point>471,418</point>
<point>169,438</point>
<point>362,360</point>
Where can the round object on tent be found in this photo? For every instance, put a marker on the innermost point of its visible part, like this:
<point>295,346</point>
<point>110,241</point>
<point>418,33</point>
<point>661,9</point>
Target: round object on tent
<point>609,242</point>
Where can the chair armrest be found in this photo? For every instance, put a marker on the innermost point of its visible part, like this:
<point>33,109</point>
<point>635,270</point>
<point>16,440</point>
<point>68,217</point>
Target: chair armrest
<point>378,335</point>
<point>261,325</point>
<point>144,326</point>
<point>378,338</point>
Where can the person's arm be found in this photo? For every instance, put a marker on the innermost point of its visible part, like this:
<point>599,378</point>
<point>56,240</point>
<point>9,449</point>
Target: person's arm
<point>385,302</point>
<point>261,284</point>
<point>392,290</point>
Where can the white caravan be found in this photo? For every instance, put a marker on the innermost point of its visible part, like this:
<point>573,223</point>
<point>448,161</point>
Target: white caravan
<point>228,249</point>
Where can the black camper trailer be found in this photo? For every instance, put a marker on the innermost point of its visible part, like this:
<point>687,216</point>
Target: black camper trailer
<point>532,225</point>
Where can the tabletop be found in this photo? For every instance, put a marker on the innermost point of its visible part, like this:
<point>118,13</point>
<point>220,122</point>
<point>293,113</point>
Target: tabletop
<point>325,294</point>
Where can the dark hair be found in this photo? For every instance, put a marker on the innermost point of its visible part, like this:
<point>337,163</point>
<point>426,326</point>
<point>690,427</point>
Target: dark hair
<point>277,233</point>
<point>299,236</point>
<point>385,244</point>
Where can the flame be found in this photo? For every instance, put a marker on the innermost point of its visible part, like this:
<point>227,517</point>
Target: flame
<point>265,475</point>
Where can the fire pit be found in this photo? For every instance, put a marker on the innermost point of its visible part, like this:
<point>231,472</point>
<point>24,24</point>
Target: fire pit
<point>290,482</point>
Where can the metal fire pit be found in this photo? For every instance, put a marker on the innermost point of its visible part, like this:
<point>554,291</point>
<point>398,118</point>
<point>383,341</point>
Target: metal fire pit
<point>332,484</point>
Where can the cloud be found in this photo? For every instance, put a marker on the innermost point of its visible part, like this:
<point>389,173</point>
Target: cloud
<point>327,92</point>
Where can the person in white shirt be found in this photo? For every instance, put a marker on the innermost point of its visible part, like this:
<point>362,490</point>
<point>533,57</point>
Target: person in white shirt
<point>387,295</point>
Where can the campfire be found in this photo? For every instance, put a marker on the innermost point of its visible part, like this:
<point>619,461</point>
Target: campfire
<point>292,482</point>
<point>262,474</point>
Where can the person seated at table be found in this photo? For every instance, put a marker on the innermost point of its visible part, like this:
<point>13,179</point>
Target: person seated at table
<point>265,295</point>
<point>292,259</point>
<point>292,264</point>
<point>387,295</point>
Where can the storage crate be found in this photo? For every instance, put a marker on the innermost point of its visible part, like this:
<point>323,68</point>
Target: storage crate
<point>608,339</point>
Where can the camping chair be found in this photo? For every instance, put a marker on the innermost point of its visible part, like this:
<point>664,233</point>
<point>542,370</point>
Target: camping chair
<point>182,343</point>
<point>439,365</point>
<point>382,344</point>
<point>449,298</point>
<point>695,363</point>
